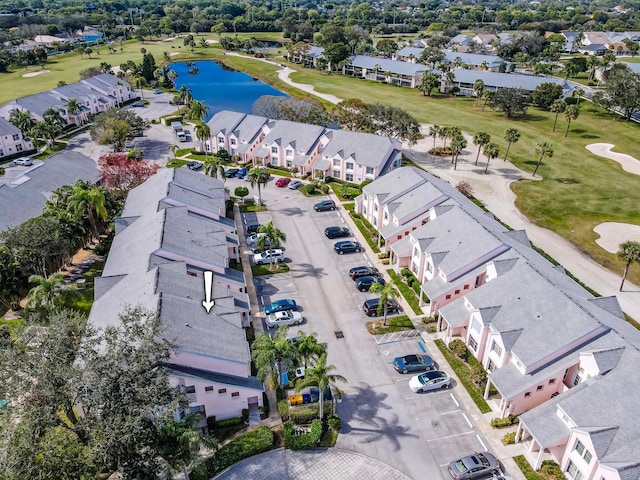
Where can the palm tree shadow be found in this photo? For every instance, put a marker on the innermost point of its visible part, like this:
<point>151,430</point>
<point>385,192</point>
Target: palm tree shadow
<point>292,211</point>
<point>307,270</point>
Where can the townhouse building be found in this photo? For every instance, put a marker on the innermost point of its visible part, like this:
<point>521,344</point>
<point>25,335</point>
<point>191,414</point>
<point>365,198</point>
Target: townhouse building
<point>561,359</point>
<point>94,95</point>
<point>464,80</point>
<point>311,149</point>
<point>164,242</point>
<point>396,72</point>
<point>12,140</point>
<point>474,61</point>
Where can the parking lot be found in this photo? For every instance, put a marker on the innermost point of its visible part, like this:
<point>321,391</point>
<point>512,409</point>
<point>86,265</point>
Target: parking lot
<point>419,434</point>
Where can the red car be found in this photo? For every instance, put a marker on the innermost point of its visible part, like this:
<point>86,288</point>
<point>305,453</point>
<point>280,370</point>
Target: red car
<point>283,182</point>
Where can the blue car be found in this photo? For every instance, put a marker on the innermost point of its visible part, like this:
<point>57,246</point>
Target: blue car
<point>242,172</point>
<point>280,306</point>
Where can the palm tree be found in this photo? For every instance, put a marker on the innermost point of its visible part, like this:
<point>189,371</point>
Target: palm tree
<point>203,133</point>
<point>185,95</point>
<point>48,292</point>
<point>258,177</point>
<point>434,131</point>
<point>273,236</point>
<point>214,166</point>
<point>53,116</point>
<point>629,252</point>
<point>481,139</point>
<point>512,135</point>
<point>309,349</point>
<point>179,442</point>
<point>558,106</point>
<point>23,120</point>
<point>388,292</point>
<point>198,110</point>
<point>73,108</point>
<point>173,148</point>
<point>487,95</point>
<point>478,89</point>
<point>140,83</point>
<point>458,143</point>
<point>542,150</point>
<point>321,376</point>
<point>89,202</point>
<point>270,352</point>
<point>570,113</point>
<point>491,151</point>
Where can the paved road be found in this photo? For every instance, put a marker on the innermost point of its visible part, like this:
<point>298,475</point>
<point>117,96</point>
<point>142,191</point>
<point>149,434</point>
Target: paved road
<point>382,418</point>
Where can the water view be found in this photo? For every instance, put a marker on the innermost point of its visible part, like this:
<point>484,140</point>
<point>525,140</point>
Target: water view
<point>222,88</point>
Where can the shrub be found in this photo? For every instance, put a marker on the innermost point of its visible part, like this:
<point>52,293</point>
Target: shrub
<point>432,328</point>
<point>245,414</point>
<point>550,470</point>
<point>311,188</point>
<point>465,188</point>
<point>504,422</point>
<point>251,443</point>
<point>230,422</point>
<point>478,375</point>
<point>406,273</point>
<point>383,255</point>
<point>509,438</point>
<point>427,320</point>
<point>459,349</point>
<point>325,189</point>
<point>334,422</point>
<point>385,261</point>
<point>304,441</point>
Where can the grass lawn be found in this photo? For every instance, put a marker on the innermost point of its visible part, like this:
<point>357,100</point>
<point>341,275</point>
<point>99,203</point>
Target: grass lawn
<point>251,207</point>
<point>406,291</point>
<point>258,270</point>
<point>176,163</point>
<point>329,439</point>
<point>13,324</point>
<point>394,324</point>
<point>526,469</point>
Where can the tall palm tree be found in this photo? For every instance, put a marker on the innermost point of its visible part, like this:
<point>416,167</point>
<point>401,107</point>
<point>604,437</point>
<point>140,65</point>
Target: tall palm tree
<point>203,133</point>
<point>185,95</point>
<point>629,252</point>
<point>272,236</point>
<point>258,177</point>
<point>214,166</point>
<point>558,106</point>
<point>542,150</point>
<point>179,442</point>
<point>198,110</point>
<point>140,83</point>
<point>434,131</point>
<point>48,292</point>
<point>570,113</point>
<point>388,292</point>
<point>173,148</point>
<point>481,139</point>
<point>22,119</point>
<point>321,376</point>
<point>491,151</point>
<point>458,143</point>
<point>512,135</point>
<point>478,89</point>
<point>90,202</point>
<point>309,349</point>
<point>269,354</point>
<point>73,108</point>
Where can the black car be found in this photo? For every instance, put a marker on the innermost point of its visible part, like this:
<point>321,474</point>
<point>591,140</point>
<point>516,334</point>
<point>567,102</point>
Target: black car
<point>251,229</point>
<point>363,271</point>
<point>347,247</point>
<point>336,232</point>
<point>370,307</point>
<point>364,284</point>
<point>414,363</point>
<point>231,172</point>
<point>324,205</point>
<point>194,165</point>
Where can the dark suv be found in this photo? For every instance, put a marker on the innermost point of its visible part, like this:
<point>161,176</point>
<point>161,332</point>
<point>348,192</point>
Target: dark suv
<point>370,307</point>
<point>336,232</point>
<point>324,205</point>
<point>363,271</point>
<point>364,284</point>
<point>347,247</point>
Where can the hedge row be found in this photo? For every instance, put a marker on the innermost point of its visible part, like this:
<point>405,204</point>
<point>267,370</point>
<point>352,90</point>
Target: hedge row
<point>251,443</point>
<point>304,441</point>
<point>408,294</point>
<point>504,422</point>
<point>301,414</point>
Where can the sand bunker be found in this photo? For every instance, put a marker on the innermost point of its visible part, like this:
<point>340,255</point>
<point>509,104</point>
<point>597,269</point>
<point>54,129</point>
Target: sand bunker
<point>34,74</point>
<point>612,234</point>
<point>629,163</point>
<point>173,54</point>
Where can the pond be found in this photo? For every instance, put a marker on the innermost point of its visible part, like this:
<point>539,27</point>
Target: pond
<point>220,87</point>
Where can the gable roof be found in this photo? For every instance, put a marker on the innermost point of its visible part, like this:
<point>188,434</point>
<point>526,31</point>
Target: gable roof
<point>475,59</point>
<point>387,65</point>
<point>366,149</point>
<point>8,128</point>
<point>505,80</point>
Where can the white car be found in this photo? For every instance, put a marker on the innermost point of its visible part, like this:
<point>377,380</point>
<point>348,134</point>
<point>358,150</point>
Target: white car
<point>269,256</point>
<point>283,318</point>
<point>427,381</point>
<point>24,161</point>
<point>252,240</point>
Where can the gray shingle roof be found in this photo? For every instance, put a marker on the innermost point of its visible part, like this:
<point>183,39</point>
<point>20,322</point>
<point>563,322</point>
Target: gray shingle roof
<point>28,193</point>
<point>396,183</point>
<point>475,59</point>
<point>407,51</point>
<point>504,80</point>
<point>8,128</point>
<point>366,149</point>
<point>39,102</point>
<point>245,382</point>
<point>301,136</point>
<point>386,65</point>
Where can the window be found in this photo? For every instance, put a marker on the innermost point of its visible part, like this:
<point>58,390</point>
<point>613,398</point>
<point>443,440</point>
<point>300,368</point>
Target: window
<point>16,136</point>
<point>429,268</point>
<point>473,344</point>
<point>466,287</point>
<point>336,162</point>
<point>289,152</point>
<point>232,141</point>
<point>369,170</point>
<point>447,297</point>
<point>527,394</point>
<point>495,347</point>
<point>475,325</point>
<point>583,452</point>
<point>336,173</point>
<point>208,388</point>
<point>552,381</point>
<point>349,177</point>
<point>349,165</point>
<point>221,140</point>
<point>492,366</point>
<point>274,149</point>
<point>235,394</point>
<point>573,471</point>
<point>18,147</point>
<point>386,216</point>
<point>457,292</point>
<point>222,391</point>
<point>539,387</point>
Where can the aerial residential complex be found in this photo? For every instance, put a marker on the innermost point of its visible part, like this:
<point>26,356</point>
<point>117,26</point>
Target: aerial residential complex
<point>311,149</point>
<point>172,229</point>
<point>562,359</point>
<point>12,141</point>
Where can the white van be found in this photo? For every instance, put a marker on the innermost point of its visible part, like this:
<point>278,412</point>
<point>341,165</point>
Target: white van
<point>182,137</point>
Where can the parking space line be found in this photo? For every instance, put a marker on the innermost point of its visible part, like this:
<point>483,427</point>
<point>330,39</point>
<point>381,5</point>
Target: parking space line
<point>467,419</point>
<point>484,447</point>
<point>450,436</point>
<point>421,346</point>
<point>451,411</point>
<point>454,400</point>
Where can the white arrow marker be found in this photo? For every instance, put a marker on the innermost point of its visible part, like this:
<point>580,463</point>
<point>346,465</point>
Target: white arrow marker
<point>207,303</point>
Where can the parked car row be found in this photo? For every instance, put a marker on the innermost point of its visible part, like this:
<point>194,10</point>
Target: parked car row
<point>282,312</point>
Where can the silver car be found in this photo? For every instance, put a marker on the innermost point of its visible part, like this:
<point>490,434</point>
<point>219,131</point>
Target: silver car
<point>478,465</point>
<point>286,317</point>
